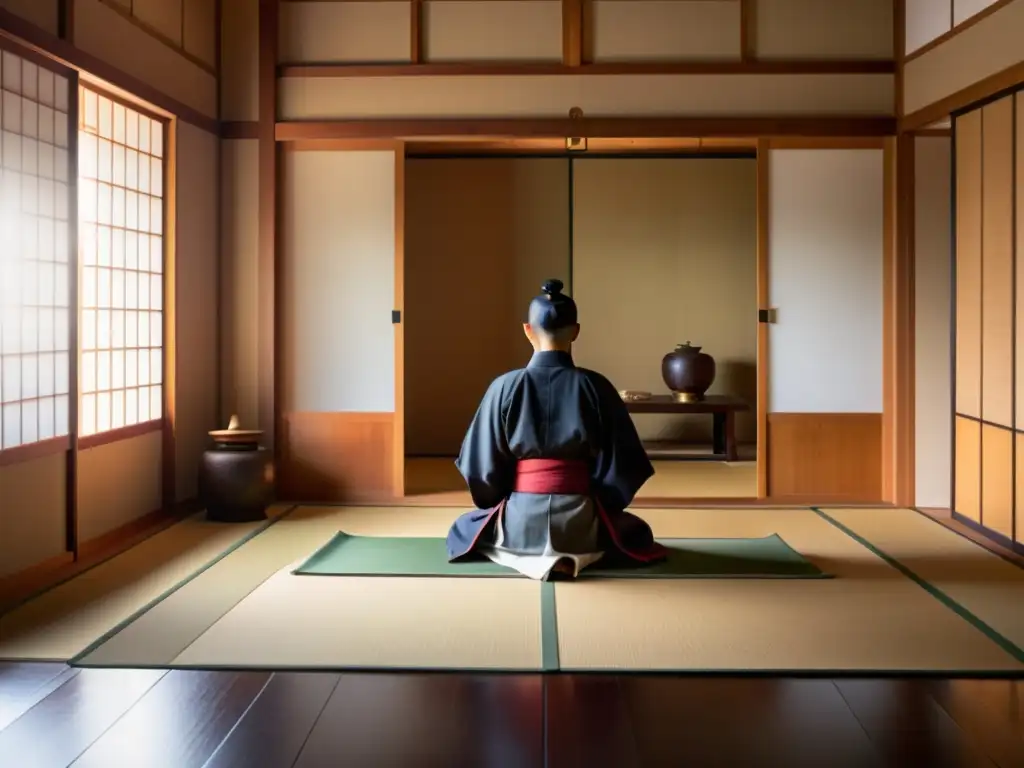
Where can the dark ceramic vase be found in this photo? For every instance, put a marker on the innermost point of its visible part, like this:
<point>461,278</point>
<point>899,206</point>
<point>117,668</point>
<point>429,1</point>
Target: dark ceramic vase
<point>236,484</point>
<point>688,372</point>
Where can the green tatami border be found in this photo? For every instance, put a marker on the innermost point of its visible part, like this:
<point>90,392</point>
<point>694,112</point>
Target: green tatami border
<point>548,628</point>
<point>77,659</point>
<point>960,610</point>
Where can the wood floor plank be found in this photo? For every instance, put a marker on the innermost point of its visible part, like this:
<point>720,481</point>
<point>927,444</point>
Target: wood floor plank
<point>16,677</point>
<point>989,712</point>
<point>184,719</point>
<point>908,727</point>
<point>1004,698</point>
<point>487,721</point>
<point>751,722</point>
<point>25,684</point>
<point>80,711</point>
<point>273,730</point>
<point>14,709</point>
<point>588,723</point>
<point>179,723</point>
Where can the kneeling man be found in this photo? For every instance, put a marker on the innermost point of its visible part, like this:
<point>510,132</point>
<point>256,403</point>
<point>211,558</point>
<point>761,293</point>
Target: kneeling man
<point>552,460</point>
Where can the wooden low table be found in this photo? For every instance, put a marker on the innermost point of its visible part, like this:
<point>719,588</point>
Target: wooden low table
<point>723,410</point>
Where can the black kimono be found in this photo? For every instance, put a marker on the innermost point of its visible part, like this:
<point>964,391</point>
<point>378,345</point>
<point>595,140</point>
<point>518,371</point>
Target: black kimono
<point>575,422</point>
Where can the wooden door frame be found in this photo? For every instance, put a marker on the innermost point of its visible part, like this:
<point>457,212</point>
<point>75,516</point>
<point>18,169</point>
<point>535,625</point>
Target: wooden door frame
<point>763,304</point>
<point>398,321</point>
<point>553,147</point>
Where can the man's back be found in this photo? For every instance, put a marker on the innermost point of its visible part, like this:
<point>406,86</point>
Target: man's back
<point>550,410</point>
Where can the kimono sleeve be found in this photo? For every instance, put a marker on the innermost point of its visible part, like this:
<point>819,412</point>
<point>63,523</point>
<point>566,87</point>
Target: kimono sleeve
<point>485,460</point>
<point>622,465</point>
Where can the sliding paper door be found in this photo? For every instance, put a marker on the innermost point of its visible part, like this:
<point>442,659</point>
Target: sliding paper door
<point>37,300</point>
<point>340,244</point>
<point>825,244</point>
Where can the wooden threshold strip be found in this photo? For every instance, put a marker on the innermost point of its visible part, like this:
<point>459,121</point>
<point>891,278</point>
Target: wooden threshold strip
<point>521,69</point>
<point>589,127</point>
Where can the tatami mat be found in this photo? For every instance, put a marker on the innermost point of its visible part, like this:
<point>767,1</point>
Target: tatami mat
<point>161,634</point>
<point>701,479</point>
<point>869,618</point>
<point>59,623</point>
<point>369,622</point>
<point>249,610</point>
<point>983,583</point>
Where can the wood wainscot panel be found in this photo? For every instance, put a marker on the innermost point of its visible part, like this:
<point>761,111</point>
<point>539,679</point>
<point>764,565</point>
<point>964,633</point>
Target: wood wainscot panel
<point>969,213</point>
<point>336,457</point>
<point>825,456</point>
<point>1018,518</point>
<point>22,585</point>
<point>997,206</point>
<point>967,464</point>
<point>997,480</point>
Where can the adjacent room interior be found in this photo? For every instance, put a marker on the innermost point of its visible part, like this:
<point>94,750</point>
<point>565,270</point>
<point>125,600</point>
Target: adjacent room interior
<point>655,249</point>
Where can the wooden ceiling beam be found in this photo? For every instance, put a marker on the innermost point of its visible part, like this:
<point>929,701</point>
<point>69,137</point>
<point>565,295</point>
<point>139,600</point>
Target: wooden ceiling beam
<point>588,127</point>
<point>521,69</point>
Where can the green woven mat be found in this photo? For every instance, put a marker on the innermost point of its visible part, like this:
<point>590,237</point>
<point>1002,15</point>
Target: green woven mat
<point>766,558</point>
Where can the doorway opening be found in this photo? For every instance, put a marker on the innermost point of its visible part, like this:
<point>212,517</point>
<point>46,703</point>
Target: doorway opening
<point>657,242</point>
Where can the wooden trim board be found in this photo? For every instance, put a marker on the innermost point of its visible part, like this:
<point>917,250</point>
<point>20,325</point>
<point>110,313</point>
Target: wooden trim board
<point>889,364</point>
<point>903,337</point>
<point>572,53</point>
<point>398,422</point>
<point>835,127</point>
<point>268,264</point>
<point>169,387</point>
<point>763,302</point>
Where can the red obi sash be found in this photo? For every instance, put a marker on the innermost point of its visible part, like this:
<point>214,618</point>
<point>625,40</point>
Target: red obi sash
<point>553,476</point>
<point>628,534</point>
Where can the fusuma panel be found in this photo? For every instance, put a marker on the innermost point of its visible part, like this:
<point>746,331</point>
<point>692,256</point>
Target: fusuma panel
<point>968,263</point>
<point>997,481</point>
<point>989,323</point>
<point>967,500</point>
<point>997,263</point>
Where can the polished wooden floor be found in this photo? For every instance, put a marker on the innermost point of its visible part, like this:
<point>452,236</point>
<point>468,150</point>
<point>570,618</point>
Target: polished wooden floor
<point>52,716</point>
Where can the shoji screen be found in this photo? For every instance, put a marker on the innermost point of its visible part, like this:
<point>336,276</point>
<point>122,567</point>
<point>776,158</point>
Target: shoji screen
<point>989,399</point>
<point>35,292</point>
<point>37,289</point>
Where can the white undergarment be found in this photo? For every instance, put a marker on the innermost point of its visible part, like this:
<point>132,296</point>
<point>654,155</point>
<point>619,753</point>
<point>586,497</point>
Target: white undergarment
<point>538,566</point>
